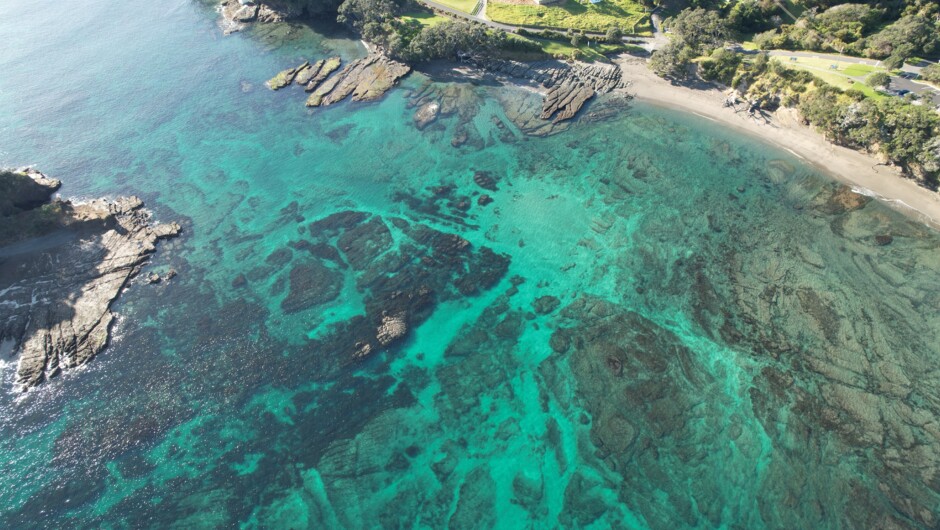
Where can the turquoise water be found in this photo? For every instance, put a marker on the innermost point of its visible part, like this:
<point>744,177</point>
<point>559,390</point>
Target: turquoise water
<point>727,346</point>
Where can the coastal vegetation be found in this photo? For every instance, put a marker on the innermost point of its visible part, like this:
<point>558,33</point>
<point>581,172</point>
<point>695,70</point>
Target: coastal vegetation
<point>412,35</point>
<point>576,45</point>
<point>891,31</point>
<point>852,114</point>
<point>630,15</point>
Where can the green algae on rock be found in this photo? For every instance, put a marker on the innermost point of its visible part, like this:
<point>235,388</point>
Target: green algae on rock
<point>286,77</point>
<point>318,72</point>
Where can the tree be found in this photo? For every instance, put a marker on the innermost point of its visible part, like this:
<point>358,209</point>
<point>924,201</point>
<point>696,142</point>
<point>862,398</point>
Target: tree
<point>721,66</point>
<point>614,34</point>
<point>748,16</point>
<point>451,39</point>
<point>879,79</point>
<point>672,60</point>
<point>358,13</point>
<point>910,35</point>
<point>700,30</point>
<point>931,73</point>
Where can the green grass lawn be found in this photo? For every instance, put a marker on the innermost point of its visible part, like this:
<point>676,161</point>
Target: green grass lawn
<point>628,14</point>
<point>592,53</point>
<point>867,90</point>
<point>424,18</point>
<point>860,70</point>
<point>823,67</point>
<point>749,45</point>
<point>846,76</point>
<point>460,5</point>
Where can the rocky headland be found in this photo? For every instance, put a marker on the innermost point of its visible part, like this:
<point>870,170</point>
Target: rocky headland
<point>62,264</point>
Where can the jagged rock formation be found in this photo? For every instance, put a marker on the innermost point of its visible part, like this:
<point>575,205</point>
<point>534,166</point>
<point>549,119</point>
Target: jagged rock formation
<point>24,190</point>
<point>569,86</point>
<point>236,16</point>
<point>317,73</point>
<point>366,79</point>
<point>61,266</point>
<point>286,77</point>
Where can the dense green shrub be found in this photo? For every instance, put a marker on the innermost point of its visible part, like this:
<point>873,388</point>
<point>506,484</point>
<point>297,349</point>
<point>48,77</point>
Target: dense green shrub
<point>721,66</point>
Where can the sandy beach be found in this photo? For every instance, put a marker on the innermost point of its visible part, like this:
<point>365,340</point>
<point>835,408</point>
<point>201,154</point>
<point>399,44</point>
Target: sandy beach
<point>863,172</point>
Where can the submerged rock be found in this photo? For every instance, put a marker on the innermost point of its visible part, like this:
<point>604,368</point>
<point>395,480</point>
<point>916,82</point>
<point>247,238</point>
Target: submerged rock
<point>427,114</point>
<point>485,180</point>
<point>311,284</point>
<point>839,198</point>
<point>544,305</point>
<point>62,270</point>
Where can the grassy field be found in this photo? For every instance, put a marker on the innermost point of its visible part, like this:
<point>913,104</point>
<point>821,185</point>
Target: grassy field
<point>424,18</point>
<point>844,76</point>
<point>460,5</point>
<point>860,70</point>
<point>628,14</point>
<point>565,49</point>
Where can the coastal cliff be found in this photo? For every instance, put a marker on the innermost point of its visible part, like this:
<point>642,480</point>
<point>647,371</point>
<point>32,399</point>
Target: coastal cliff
<point>62,264</point>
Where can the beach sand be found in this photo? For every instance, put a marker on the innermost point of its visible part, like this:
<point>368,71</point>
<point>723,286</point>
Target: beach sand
<point>862,172</point>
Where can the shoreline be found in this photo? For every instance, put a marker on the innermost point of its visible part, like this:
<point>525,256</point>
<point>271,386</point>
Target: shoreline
<point>865,174</point>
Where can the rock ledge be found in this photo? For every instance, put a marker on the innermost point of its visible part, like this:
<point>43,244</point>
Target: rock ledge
<point>60,276</point>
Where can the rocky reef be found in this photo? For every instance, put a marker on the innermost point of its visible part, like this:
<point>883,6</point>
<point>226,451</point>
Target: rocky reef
<point>62,264</point>
<point>568,86</point>
<point>365,79</point>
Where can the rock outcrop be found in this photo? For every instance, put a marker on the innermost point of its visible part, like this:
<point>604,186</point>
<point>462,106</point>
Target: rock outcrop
<point>60,270</point>
<point>366,79</point>
<point>427,114</point>
<point>317,73</point>
<point>24,190</point>
<point>569,86</point>
<point>286,77</point>
<point>236,16</point>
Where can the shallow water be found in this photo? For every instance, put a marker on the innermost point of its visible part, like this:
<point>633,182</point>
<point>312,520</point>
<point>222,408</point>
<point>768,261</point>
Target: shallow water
<point>728,344</point>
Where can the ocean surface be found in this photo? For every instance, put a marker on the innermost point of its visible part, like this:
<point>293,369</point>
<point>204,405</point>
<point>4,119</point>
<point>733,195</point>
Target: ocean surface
<point>656,323</point>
